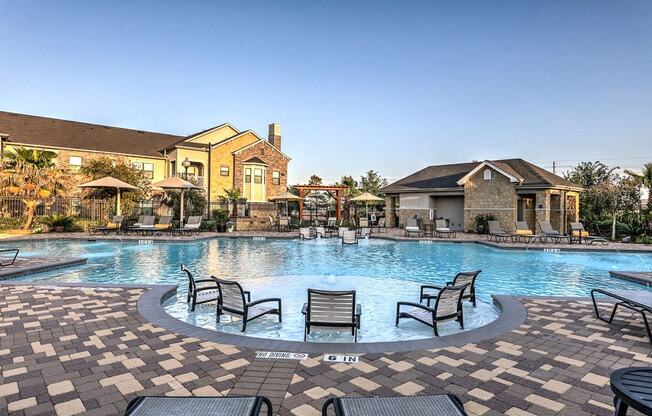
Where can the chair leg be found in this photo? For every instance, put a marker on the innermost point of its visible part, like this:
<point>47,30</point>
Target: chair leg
<point>434,327</point>
<point>620,407</point>
<point>244,324</point>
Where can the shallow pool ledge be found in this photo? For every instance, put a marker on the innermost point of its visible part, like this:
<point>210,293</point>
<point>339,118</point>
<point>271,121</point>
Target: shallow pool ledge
<point>150,306</point>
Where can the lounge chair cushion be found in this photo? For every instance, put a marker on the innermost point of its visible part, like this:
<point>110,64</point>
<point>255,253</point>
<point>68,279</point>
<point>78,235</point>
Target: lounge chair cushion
<point>162,226</point>
<point>581,234</point>
<point>523,232</point>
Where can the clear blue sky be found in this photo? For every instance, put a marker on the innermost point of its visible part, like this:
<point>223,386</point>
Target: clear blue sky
<point>355,85</point>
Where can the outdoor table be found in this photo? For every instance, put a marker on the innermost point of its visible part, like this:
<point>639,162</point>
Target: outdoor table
<point>633,388</point>
<point>428,230</point>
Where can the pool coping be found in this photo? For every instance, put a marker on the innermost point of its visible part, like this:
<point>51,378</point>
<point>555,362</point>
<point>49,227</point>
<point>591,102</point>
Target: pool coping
<point>150,306</point>
<point>13,272</point>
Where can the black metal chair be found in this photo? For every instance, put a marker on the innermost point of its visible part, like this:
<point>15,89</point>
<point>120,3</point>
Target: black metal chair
<point>223,406</point>
<point>234,300</point>
<point>448,306</point>
<point>12,258</point>
<point>331,309</point>
<point>202,293</point>
<point>440,405</point>
<point>462,278</point>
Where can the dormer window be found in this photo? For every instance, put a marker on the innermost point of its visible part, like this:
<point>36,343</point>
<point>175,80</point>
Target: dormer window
<point>487,174</point>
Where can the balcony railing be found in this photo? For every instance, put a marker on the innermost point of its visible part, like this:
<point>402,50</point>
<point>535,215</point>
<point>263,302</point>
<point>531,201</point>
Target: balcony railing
<point>197,180</point>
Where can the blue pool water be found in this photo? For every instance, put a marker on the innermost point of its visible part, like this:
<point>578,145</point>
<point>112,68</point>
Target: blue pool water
<point>382,272</point>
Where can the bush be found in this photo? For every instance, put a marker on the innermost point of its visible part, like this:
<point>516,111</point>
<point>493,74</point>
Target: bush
<point>9,223</point>
<point>220,216</point>
<point>59,222</point>
<point>482,223</point>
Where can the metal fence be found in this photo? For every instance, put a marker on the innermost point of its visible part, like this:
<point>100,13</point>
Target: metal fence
<point>85,209</point>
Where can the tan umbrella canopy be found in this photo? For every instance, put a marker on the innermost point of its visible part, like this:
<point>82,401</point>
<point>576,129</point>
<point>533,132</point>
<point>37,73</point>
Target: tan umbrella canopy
<point>109,182</point>
<point>286,197</point>
<point>366,198</point>
<point>175,182</point>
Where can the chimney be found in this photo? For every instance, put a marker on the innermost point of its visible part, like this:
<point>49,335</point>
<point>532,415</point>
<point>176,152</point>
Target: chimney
<point>274,135</point>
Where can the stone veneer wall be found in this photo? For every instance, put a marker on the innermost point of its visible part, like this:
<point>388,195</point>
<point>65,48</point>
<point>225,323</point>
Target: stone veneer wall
<point>258,219</point>
<point>496,196</point>
<point>275,162</point>
<point>422,214</point>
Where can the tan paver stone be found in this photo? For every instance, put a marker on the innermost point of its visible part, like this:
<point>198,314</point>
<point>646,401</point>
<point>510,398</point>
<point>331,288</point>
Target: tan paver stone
<point>445,376</point>
<point>481,394</point>
<point>61,387</point>
<point>205,391</point>
<point>230,365</point>
<point>401,366</point>
<point>69,408</point>
<point>365,383</point>
<point>556,386</point>
<point>570,361</point>
<point>316,393</point>
<point>515,411</point>
<point>21,404</point>
<point>408,389</point>
<point>475,408</point>
<point>606,406</point>
<point>14,372</point>
<point>544,402</point>
<point>170,364</point>
<point>305,410</point>
<point>364,367</point>
<point>504,363</point>
<point>8,389</point>
<point>185,378</point>
<point>595,379</point>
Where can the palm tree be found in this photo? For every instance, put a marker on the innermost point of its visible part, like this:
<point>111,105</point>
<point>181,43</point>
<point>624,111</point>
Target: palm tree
<point>645,179</point>
<point>40,159</point>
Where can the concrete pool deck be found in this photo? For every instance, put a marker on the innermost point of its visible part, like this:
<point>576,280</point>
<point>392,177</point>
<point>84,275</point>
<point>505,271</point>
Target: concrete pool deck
<point>87,350</point>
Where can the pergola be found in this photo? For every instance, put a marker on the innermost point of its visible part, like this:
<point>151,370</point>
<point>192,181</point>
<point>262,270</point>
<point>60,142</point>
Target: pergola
<point>335,191</point>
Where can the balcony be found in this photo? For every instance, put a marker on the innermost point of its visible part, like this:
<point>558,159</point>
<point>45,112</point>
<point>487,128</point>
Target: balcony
<point>197,180</point>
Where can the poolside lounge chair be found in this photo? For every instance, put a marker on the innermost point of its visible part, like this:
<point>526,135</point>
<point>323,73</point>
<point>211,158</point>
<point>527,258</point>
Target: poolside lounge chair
<point>348,236</point>
<point>548,233</point>
<point>636,300</point>
<point>12,257</point>
<point>496,232</point>
<point>363,223</point>
<point>323,232</point>
<point>460,279</point>
<point>138,222</point>
<point>305,233</point>
<point>223,406</point>
<point>381,225</point>
<point>272,223</point>
<point>331,309</point>
<point>232,300</point>
<point>113,226</point>
<point>523,233</point>
<point>284,224</point>
<point>164,224</point>
<point>147,225</point>
<point>201,293</point>
<point>448,306</point>
<point>412,227</point>
<point>440,405</point>
<point>192,225</point>
<point>578,233</point>
<point>442,230</point>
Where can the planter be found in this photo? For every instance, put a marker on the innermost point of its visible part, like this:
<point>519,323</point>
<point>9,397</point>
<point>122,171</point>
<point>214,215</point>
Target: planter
<point>230,227</point>
<point>220,228</point>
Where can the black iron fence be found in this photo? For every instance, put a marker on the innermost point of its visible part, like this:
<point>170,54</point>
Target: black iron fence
<point>86,209</point>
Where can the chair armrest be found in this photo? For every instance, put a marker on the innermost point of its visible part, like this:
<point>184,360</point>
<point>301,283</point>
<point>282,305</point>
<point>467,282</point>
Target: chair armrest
<point>205,281</point>
<point>247,294</point>
<point>13,259</point>
<point>199,289</point>
<point>449,283</point>
<point>416,305</point>
<point>259,301</point>
<point>304,309</point>
<point>424,287</point>
<point>358,309</point>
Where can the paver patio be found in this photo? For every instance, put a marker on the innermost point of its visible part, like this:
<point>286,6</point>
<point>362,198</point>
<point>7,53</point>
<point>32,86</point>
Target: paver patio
<point>73,350</point>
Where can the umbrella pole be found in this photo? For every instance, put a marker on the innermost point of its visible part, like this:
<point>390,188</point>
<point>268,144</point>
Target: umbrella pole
<point>117,208</point>
<point>181,209</point>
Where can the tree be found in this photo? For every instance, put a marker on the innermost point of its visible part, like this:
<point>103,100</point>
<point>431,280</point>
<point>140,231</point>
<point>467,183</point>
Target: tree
<point>372,182</point>
<point>195,202</point>
<point>30,157</point>
<point>644,179</point>
<point>614,198</point>
<point>234,196</point>
<point>314,180</point>
<point>587,175</point>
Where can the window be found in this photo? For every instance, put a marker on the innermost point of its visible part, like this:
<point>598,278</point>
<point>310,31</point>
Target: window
<point>276,178</point>
<point>75,162</point>
<point>487,174</point>
<point>224,171</point>
<point>173,168</point>
<point>248,175</point>
<point>258,176</point>
<point>148,168</point>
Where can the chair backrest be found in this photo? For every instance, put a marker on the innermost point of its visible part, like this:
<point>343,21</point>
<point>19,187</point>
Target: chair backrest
<point>320,230</point>
<point>546,227</point>
<point>331,306</point>
<point>165,220</point>
<point>271,220</point>
<point>191,279</point>
<point>194,221</point>
<point>576,226</point>
<point>148,220</point>
<point>232,297</point>
<point>117,219</point>
<point>494,227</point>
<point>466,278</point>
<point>141,218</point>
<point>449,300</point>
<point>331,221</point>
<point>283,221</point>
<point>348,236</point>
<point>305,232</point>
<point>412,223</point>
<point>522,226</point>
<point>363,222</point>
<point>441,224</point>
<point>381,222</point>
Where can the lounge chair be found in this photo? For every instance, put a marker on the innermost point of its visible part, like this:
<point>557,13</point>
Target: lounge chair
<point>523,233</point>
<point>164,224</point>
<point>305,233</point>
<point>548,233</point>
<point>223,406</point>
<point>112,226</point>
<point>284,224</point>
<point>12,257</point>
<point>381,225</point>
<point>496,232</point>
<point>323,232</point>
<point>348,236</point>
<point>578,233</point>
<point>139,221</point>
<point>191,226</point>
<point>272,223</point>
<point>448,306</point>
<point>412,227</point>
<point>442,230</point>
<point>440,405</point>
<point>460,279</point>
<point>331,309</point>
<point>202,293</point>
<point>147,225</point>
<point>636,300</point>
<point>232,300</point>
<point>363,223</point>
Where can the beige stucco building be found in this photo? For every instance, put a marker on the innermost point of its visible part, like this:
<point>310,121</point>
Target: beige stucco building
<point>510,190</point>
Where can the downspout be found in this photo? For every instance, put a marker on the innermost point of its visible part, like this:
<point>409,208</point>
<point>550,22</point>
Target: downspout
<point>208,186</point>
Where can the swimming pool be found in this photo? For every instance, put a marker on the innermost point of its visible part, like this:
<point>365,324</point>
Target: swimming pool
<point>382,272</point>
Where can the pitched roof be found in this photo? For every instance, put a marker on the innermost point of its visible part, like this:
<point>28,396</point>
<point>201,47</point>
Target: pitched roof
<point>57,133</point>
<point>255,160</point>
<point>447,176</point>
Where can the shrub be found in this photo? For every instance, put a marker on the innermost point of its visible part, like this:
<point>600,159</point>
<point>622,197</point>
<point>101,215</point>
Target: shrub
<point>220,216</point>
<point>482,223</point>
<point>9,223</point>
<point>59,222</point>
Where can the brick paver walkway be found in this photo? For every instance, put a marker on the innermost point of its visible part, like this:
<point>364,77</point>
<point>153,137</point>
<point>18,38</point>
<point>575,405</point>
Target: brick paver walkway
<point>81,350</point>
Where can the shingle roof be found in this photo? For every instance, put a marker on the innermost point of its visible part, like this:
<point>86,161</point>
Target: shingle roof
<point>51,132</point>
<point>446,176</point>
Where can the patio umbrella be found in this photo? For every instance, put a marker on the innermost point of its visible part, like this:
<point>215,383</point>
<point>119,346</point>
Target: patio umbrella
<point>286,197</point>
<point>175,182</point>
<point>366,198</point>
<point>109,182</point>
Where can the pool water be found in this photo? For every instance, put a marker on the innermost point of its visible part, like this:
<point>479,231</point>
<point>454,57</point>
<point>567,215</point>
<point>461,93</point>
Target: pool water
<point>382,272</point>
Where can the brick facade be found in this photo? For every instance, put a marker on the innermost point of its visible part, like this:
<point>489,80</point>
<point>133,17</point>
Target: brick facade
<point>275,161</point>
<point>496,196</point>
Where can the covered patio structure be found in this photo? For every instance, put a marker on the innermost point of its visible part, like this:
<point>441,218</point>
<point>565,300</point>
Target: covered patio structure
<point>335,191</point>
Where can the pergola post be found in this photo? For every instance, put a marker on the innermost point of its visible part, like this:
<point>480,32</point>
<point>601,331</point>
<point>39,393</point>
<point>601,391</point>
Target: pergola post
<point>338,204</point>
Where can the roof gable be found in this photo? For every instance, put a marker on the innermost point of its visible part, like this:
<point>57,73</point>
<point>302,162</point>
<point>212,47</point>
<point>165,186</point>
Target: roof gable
<point>215,134</point>
<point>498,167</point>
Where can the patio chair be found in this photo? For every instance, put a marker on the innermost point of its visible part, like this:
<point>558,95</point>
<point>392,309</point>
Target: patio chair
<point>232,300</point>
<point>138,222</point>
<point>496,232</point>
<point>577,232</point>
<point>112,226</point>
<point>381,225</point>
<point>147,225</point>
<point>222,406</point>
<point>523,233</point>
<point>448,306</point>
<point>442,230</point>
<point>164,224</point>
<point>363,223</point>
<point>12,257</point>
<point>440,405</point>
<point>284,224</point>
<point>548,233</point>
<point>201,293</point>
<point>412,227</point>
<point>272,223</point>
<point>323,232</point>
<point>305,233</point>
<point>192,225</point>
<point>331,309</point>
<point>635,300</point>
<point>460,279</point>
<point>348,236</point>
